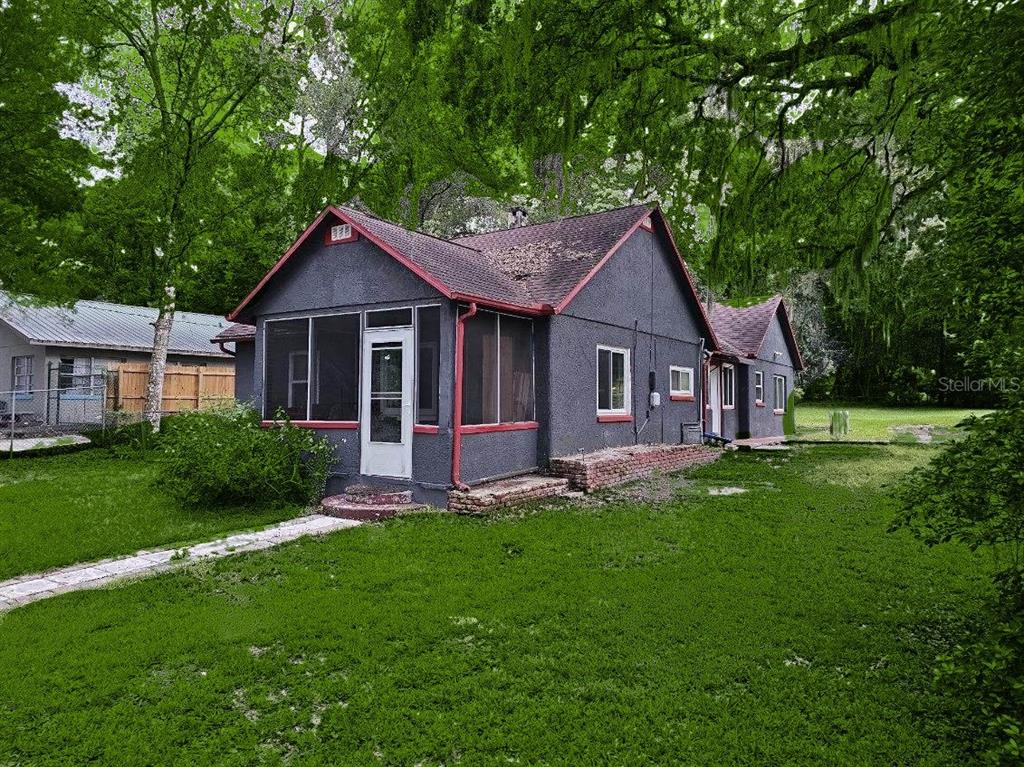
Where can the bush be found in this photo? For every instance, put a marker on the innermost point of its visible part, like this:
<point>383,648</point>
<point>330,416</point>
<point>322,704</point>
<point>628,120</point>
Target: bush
<point>224,457</point>
<point>125,437</point>
<point>973,493</point>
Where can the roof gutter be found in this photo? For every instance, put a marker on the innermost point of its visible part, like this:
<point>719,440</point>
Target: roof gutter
<point>460,339</point>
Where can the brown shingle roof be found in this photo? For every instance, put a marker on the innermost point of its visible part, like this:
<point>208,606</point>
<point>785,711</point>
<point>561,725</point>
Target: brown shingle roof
<point>532,269</point>
<point>237,332</point>
<point>741,330</point>
<point>549,260</point>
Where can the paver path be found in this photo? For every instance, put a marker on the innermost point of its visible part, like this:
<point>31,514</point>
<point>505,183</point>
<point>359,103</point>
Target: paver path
<point>34,586</point>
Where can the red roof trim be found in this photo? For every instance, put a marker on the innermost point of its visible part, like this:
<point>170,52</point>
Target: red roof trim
<point>787,328</point>
<point>428,278</point>
<point>276,267</point>
<point>689,280</point>
<point>604,259</point>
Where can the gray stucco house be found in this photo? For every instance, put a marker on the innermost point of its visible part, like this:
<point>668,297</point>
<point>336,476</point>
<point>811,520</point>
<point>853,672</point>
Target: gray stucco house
<point>751,375</point>
<point>438,364</point>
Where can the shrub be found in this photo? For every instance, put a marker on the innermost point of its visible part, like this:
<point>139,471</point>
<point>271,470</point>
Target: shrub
<point>224,457</point>
<point>124,437</point>
<point>973,493</point>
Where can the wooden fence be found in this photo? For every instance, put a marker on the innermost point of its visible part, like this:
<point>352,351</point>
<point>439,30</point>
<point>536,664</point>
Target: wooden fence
<point>186,387</point>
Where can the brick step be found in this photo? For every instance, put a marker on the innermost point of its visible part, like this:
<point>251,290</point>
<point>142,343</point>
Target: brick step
<point>505,492</point>
<point>342,507</point>
<point>376,496</point>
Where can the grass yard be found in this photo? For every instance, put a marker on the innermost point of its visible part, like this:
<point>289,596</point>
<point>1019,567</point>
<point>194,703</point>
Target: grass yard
<point>61,509</point>
<point>892,424</point>
<point>784,625</point>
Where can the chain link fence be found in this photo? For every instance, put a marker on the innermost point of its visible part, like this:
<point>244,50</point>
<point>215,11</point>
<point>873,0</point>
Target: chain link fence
<point>53,416</point>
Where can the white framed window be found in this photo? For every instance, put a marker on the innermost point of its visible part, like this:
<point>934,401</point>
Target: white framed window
<point>340,233</point>
<point>21,373</point>
<point>728,387</point>
<point>613,381</point>
<point>298,379</point>
<point>680,382</point>
<point>75,376</point>
<point>758,387</point>
<point>780,394</point>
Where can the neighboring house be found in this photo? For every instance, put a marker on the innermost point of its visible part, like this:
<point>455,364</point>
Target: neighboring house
<point>751,376</point>
<point>68,348</point>
<point>440,363</point>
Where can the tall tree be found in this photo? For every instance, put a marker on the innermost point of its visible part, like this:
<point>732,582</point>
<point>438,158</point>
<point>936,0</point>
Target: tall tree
<point>41,170</point>
<point>194,84</point>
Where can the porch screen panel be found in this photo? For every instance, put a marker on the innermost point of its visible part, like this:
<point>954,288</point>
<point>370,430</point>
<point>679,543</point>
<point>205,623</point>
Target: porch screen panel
<point>286,369</point>
<point>335,384</point>
<point>428,363</point>
<point>516,374</point>
<point>480,369</point>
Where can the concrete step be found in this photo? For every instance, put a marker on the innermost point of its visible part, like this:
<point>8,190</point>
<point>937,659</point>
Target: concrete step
<point>343,507</point>
<point>372,495</point>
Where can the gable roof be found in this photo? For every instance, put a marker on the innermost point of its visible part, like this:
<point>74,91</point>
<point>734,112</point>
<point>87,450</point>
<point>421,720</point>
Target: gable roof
<point>535,269</point>
<point>549,260</point>
<point>742,330</point>
<point>103,325</point>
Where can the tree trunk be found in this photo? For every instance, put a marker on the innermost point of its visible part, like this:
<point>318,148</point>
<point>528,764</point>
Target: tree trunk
<point>158,362</point>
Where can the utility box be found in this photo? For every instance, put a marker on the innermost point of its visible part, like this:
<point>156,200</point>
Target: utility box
<point>691,434</point>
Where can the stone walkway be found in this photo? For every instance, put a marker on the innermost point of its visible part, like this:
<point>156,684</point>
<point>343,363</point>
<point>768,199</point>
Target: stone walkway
<point>35,586</point>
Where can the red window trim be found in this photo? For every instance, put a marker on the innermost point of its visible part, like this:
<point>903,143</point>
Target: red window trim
<point>615,418</point>
<point>487,428</point>
<point>779,412</point>
<point>423,428</point>
<point>316,424</point>
<point>682,398</point>
<point>758,403</point>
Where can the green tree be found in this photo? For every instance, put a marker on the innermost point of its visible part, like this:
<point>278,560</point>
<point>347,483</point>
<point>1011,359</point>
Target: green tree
<point>41,170</point>
<point>194,85</point>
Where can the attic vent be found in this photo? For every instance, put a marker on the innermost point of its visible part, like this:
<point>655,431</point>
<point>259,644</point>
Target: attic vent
<point>340,233</point>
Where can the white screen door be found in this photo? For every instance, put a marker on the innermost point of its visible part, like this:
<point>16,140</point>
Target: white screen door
<point>715,399</point>
<point>387,393</point>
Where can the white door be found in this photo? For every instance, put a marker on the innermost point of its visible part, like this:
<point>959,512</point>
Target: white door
<point>387,393</point>
<point>715,398</point>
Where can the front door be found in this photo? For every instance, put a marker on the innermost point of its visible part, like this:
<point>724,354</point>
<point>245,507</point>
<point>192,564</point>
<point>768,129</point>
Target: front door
<point>715,398</point>
<point>387,394</point>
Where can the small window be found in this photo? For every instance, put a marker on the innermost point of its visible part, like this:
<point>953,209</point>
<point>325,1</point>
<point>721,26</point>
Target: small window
<point>780,394</point>
<point>680,382</point>
<point>389,318</point>
<point>75,375</point>
<point>340,233</point>
<point>428,363</point>
<point>613,381</point>
<point>758,387</point>
<point>21,373</point>
<point>728,387</point>
<point>298,380</point>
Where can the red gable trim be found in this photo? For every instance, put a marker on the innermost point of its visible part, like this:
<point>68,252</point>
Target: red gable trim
<point>604,260</point>
<point>428,278</point>
<point>651,213</point>
<point>689,280</point>
<point>787,328</point>
<point>276,267</point>
<point>447,292</point>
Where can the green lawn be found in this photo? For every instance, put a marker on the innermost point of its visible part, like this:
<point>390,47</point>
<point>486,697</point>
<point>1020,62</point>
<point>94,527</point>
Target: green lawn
<point>61,509</point>
<point>907,424</point>
<point>780,626</point>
